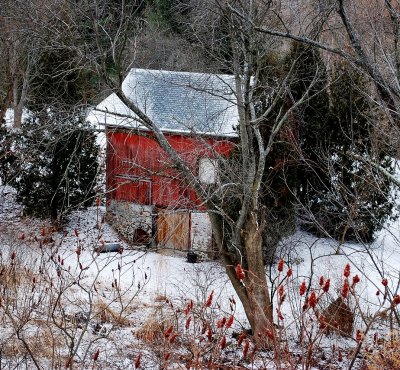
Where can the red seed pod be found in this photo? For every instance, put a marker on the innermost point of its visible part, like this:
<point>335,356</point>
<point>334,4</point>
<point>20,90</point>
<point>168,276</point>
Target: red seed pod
<point>321,281</point>
<point>68,363</point>
<point>96,355</point>
<point>346,271</point>
<point>78,251</point>
<point>303,288</point>
<point>312,300</point>
<point>280,316</point>
<point>188,320</point>
<point>223,342</point>
<point>385,282</point>
<point>340,356</point>
<point>356,280</point>
<point>187,309</point>
<point>229,322</point>
<point>43,231</point>
<point>396,300</point>
<point>76,233</point>
<point>269,334</point>
<point>137,361</point>
<point>327,285</point>
<point>253,352</point>
<point>173,337</point>
<point>21,236</point>
<point>167,356</point>
<point>204,328</point>
<point>210,299</point>
<point>239,272</point>
<point>280,265</point>
<point>98,201</point>
<point>289,273</point>
<point>221,323</point>
<point>281,291</point>
<point>345,289</point>
<point>13,255</point>
<point>359,336</point>
<point>240,338</point>
<point>167,332</point>
<point>246,348</point>
<point>209,334</point>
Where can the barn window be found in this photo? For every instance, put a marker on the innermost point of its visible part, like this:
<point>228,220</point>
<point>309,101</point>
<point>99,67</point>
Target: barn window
<point>208,168</point>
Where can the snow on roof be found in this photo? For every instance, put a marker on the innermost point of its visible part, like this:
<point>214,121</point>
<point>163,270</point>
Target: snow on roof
<point>175,101</point>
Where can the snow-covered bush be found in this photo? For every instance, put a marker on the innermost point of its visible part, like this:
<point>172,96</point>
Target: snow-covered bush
<point>52,163</point>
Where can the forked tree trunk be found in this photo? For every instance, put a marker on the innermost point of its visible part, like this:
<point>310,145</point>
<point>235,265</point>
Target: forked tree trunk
<point>253,292</point>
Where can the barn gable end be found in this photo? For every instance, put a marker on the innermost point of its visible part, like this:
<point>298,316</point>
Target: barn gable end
<point>145,195</point>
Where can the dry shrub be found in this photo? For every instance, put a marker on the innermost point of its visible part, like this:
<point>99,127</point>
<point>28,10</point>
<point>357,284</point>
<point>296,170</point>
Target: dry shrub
<point>12,348</point>
<point>45,341</point>
<point>339,317</point>
<point>107,315</point>
<point>387,356</point>
<point>160,298</point>
<point>40,338</point>
<point>13,276</point>
<point>152,330</point>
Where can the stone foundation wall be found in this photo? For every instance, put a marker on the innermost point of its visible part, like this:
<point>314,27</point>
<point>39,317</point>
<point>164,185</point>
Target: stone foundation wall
<point>132,221</point>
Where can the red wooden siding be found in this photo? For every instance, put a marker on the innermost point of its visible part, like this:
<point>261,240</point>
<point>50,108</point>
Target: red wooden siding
<point>139,171</point>
<point>133,190</point>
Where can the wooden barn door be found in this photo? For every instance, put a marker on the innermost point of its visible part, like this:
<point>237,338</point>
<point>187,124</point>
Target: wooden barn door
<point>173,230</point>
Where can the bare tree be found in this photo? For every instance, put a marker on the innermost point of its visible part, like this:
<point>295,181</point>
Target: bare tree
<point>366,34</point>
<point>239,234</point>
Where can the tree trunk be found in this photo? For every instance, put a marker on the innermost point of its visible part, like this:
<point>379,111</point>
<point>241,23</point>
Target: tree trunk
<point>17,116</point>
<point>6,103</point>
<point>253,292</point>
<point>260,315</point>
<point>17,105</point>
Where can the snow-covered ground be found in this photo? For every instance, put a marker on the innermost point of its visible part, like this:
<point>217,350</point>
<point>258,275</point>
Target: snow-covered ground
<point>138,286</point>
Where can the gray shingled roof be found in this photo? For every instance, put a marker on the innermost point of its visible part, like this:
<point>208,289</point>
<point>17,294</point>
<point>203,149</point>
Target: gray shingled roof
<point>175,101</point>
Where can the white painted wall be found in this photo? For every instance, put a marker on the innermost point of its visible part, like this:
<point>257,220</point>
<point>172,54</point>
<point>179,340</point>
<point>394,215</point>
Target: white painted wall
<point>201,233</point>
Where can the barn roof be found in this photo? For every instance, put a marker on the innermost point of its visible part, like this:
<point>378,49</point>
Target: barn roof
<point>175,101</point>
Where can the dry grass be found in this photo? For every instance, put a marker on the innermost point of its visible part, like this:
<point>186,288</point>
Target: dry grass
<point>151,331</point>
<point>387,356</point>
<point>106,314</point>
<point>13,276</point>
<point>43,342</point>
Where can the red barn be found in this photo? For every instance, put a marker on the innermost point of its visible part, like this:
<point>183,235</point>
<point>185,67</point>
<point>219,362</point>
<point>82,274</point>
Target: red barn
<point>146,197</point>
